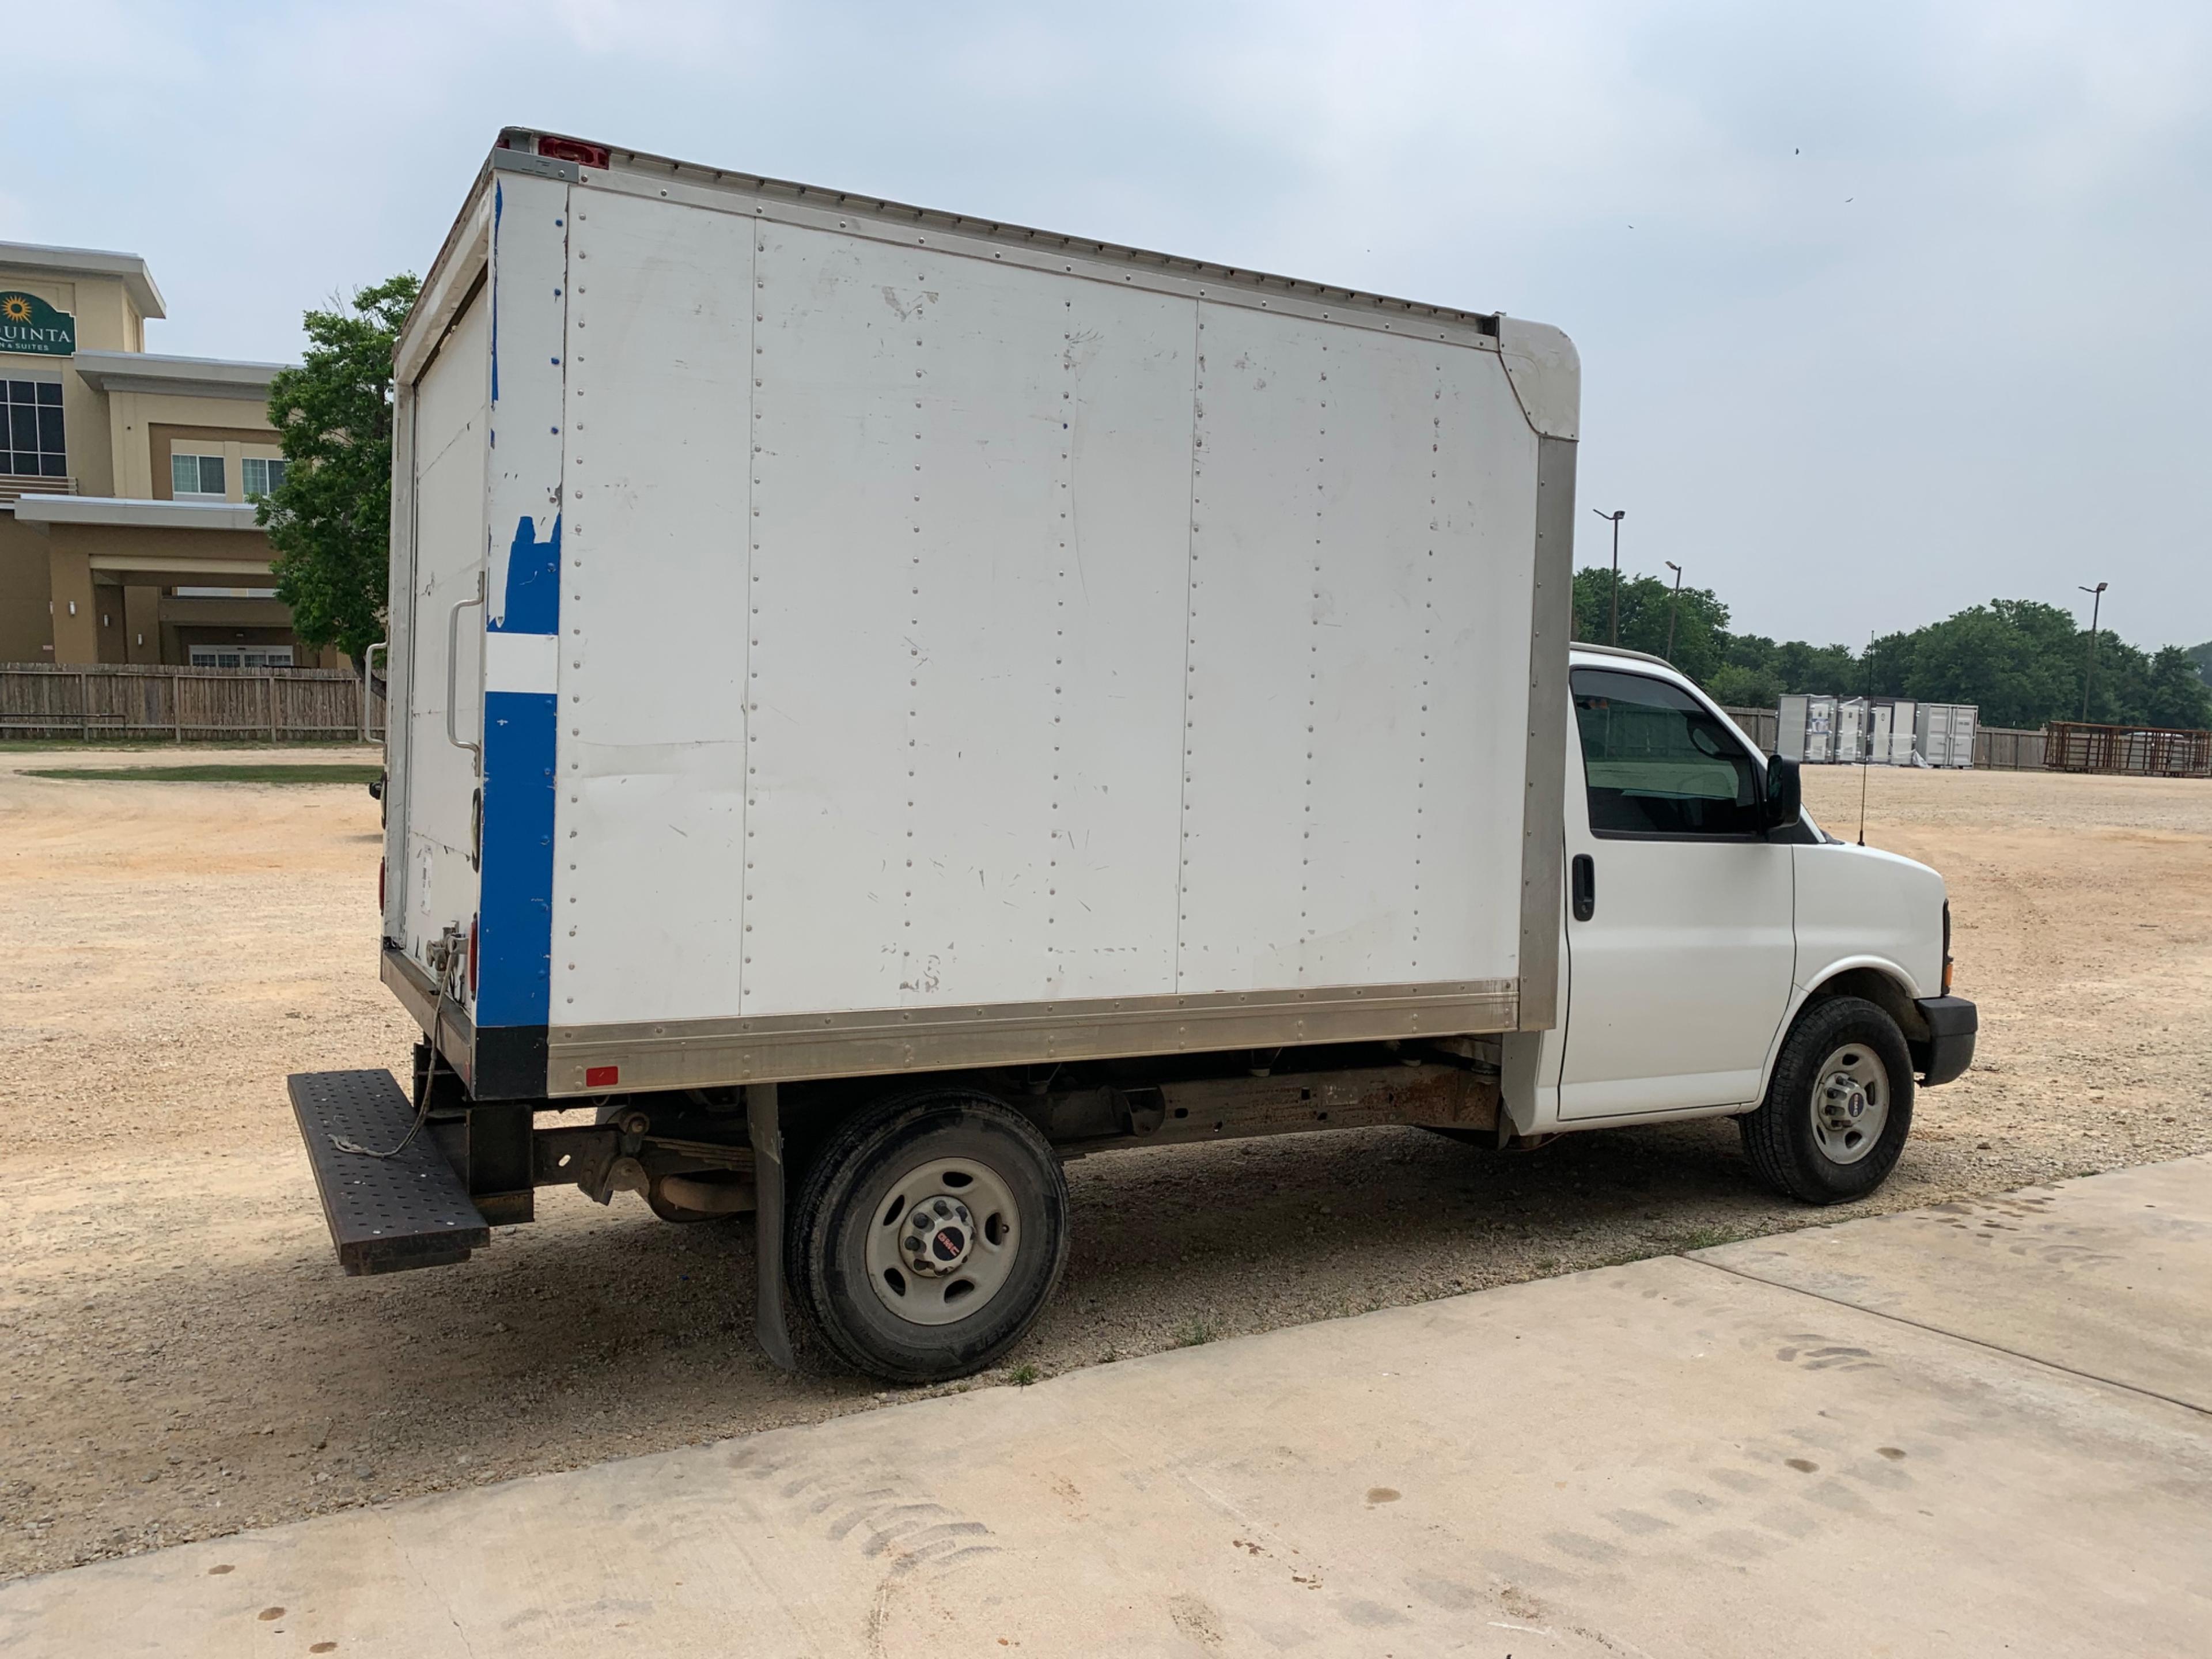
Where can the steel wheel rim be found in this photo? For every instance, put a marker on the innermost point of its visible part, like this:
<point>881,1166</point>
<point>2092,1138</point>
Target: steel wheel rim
<point>1851,1103</point>
<point>942,1241</point>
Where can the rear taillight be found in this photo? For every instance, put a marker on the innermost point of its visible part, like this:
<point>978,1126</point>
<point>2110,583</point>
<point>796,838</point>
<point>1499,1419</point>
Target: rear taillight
<point>473,958</point>
<point>1946,947</point>
<point>381,864</point>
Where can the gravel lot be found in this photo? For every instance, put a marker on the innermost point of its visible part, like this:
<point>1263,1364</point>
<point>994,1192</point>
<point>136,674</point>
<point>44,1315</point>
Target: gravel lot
<point>185,1358</point>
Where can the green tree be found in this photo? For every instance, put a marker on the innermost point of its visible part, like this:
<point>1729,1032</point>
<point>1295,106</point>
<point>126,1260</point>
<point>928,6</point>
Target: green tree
<point>330,520</point>
<point>1755,672</point>
<point>2173,692</point>
<point>2021,662</point>
<point>1700,620</point>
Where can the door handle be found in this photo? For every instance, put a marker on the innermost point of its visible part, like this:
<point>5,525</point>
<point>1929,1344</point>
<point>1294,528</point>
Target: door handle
<point>1582,887</point>
<point>453,668</point>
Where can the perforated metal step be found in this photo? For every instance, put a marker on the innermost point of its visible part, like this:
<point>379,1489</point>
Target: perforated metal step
<point>385,1214</point>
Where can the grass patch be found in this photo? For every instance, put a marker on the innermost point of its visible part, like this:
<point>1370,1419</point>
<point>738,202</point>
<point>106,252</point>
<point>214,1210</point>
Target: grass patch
<point>1196,1334</point>
<point>356,776</point>
<point>164,745</point>
<point>1023,1375</point>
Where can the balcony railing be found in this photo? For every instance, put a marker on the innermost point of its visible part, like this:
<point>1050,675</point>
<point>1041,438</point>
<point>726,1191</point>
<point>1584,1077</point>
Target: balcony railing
<point>13,485</point>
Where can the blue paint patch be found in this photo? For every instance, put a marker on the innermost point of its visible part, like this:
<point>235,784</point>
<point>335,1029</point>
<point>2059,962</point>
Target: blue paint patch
<point>532,600</point>
<point>515,940</point>
<point>514,944</point>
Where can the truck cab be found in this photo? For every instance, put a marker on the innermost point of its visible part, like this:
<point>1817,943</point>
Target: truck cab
<point>1714,935</point>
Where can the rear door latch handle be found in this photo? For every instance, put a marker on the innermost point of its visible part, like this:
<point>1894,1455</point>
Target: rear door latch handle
<point>1582,887</point>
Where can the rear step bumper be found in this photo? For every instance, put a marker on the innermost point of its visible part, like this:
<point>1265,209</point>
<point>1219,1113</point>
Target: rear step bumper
<point>385,1214</point>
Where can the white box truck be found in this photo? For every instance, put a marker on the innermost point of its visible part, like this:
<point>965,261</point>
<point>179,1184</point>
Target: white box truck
<point>887,701</point>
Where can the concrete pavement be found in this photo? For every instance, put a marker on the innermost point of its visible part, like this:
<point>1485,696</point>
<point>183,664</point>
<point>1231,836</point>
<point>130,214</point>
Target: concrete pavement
<point>1980,1429</point>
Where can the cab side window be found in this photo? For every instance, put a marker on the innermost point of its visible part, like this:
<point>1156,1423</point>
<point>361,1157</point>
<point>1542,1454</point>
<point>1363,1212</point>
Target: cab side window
<point>1658,763</point>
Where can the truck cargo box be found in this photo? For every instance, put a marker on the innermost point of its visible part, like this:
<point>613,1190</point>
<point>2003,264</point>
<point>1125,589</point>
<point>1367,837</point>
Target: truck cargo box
<point>832,638</point>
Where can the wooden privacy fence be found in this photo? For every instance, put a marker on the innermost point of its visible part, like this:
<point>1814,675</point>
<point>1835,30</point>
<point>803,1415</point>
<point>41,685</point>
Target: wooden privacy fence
<point>2142,752</point>
<point>185,705</point>
<point>2007,749</point>
<point>1762,725</point>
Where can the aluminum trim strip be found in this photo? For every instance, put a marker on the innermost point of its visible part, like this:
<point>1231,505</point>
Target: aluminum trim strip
<point>1104,262</point>
<point>707,1053</point>
<point>1543,847</point>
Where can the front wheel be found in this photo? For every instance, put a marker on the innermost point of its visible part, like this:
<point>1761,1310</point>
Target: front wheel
<point>930,1234</point>
<point>1838,1106</point>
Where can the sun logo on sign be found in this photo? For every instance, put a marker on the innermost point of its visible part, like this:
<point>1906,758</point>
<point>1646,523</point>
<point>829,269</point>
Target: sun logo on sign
<point>15,308</point>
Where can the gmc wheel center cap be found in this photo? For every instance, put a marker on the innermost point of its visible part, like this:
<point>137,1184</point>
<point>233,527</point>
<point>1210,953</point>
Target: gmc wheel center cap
<point>939,1234</point>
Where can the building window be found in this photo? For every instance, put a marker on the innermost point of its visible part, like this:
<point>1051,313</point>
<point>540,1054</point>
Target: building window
<point>264,477</point>
<point>33,442</point>
<point>241,656</point>
<point>196,477</point>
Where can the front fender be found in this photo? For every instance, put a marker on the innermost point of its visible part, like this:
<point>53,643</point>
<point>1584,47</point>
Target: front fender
<point>1860,907</point>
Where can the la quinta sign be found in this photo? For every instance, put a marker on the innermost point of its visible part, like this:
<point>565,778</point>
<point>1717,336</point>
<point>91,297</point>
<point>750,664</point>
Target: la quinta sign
<point>30,325</point>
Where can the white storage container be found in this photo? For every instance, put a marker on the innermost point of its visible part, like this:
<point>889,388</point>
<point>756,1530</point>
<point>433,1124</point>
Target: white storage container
<point>1943,733</point>
<point>1805,729</point>
<point>1790,723</point>
<point>1894,718</point>
<point>1888,740</point>
<point>1850,732</point>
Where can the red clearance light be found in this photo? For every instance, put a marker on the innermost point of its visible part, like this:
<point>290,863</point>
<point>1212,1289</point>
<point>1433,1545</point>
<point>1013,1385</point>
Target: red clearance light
<point>473,958</point>
<point>570,149</point>
<point>602,1077</point>
<point>380,884</point>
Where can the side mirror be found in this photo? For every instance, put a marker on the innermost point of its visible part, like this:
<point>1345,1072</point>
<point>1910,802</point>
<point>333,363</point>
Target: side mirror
<point>1784,798</point>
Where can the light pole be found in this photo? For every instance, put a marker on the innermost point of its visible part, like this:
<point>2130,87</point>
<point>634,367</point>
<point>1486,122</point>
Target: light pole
<point>1673,600</point>
<point>1615,519</point>
<point>2096,603</point>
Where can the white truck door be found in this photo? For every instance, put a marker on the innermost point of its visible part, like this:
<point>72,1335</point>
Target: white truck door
<point>1679,937</point>
<point>444,669</point>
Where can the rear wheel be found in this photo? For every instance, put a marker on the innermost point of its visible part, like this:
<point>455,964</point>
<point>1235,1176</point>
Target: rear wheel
<point>1838,1106</point>
<point>929,1235</point>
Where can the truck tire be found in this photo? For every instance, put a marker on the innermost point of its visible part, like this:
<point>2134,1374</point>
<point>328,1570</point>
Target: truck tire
<point>929,1234</point>
<point>1838,1106</point>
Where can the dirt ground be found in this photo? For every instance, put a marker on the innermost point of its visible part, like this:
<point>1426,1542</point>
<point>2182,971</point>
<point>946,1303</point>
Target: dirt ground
<point>183,1358</point>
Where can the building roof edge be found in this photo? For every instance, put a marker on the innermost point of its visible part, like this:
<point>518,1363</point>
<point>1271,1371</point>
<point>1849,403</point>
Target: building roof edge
<point>137,280</point>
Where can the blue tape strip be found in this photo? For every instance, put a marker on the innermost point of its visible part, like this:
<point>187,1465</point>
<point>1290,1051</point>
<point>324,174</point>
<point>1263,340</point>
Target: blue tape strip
<point>514,941</point>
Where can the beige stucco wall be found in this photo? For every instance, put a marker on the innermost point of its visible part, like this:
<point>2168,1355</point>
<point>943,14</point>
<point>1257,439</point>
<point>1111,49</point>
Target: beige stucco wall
<point>26,633</point>
<point>88,563</point>
<point>106,321</point>
<point>164,441</point>
<point>147,427</point>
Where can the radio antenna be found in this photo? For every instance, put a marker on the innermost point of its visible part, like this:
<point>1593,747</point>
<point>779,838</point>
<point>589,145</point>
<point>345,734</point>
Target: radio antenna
<point>1866,730</point>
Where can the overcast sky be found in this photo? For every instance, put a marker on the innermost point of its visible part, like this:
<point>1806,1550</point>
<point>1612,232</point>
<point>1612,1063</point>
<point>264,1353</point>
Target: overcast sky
<point>1884,308</point>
